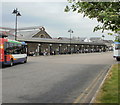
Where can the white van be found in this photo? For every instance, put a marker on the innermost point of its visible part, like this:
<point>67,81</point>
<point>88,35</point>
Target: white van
<point>116,50</point>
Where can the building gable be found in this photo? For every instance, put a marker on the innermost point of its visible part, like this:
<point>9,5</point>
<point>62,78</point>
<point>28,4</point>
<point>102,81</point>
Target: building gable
<point>42,34</point>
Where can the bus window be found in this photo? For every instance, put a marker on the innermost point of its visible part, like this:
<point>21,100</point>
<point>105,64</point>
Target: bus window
<point>23,49</point>
<point>12,48</point>
<point>15,49</point>
<point>6,47</point>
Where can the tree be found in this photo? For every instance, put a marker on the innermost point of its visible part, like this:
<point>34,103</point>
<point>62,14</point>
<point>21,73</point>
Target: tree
<point>107,13</point>
<point>117,39</point>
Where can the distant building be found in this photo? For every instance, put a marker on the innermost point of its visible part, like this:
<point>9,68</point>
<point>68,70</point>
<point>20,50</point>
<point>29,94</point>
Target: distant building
<point>96,39</point>
<point>108,43</point>
<point>63,38</point>
<point>82,39</point>
<point>87,40</point>
<point>41,33</point>
<point>39,42</point>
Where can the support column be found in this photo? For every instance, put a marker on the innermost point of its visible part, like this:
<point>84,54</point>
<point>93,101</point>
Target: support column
<point>60,48</point>
<point>50,49</point>
<point>68,49</point>
<point>39,49</point>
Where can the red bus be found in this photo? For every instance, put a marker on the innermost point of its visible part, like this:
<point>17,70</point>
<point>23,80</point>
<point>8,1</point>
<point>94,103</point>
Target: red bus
<point>12,52</point>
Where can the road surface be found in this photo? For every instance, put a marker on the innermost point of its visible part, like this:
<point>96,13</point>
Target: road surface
<point>53,79</point>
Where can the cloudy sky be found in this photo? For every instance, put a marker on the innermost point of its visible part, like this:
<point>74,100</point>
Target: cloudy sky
<point>51,15</point>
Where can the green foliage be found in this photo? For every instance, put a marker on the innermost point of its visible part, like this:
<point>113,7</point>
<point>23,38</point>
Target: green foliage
<point>107,13</point>
<point>110,33</point>
<point>117,39</point>
<point>110,89</point>
<point>67,9</point>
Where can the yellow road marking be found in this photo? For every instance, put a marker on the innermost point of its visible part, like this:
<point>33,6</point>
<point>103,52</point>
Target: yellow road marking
<point>81,95</point>
<point>92,87</point>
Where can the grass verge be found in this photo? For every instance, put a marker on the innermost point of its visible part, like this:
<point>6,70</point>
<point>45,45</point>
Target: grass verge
<point>110,91</point>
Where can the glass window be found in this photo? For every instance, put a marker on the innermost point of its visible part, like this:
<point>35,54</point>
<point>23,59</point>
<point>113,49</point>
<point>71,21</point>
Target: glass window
<point>13,48</point>
<point>5,45</point>
<point>117,46</point>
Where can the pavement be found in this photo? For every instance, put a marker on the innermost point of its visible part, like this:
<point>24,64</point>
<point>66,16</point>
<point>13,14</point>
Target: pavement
<point>53,79</point>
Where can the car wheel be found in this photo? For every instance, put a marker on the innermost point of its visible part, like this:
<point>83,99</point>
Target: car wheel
<point>25,60</point>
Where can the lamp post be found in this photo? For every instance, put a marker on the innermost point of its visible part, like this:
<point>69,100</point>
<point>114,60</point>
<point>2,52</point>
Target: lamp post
<point>17,13</point>
<point>70,31</point>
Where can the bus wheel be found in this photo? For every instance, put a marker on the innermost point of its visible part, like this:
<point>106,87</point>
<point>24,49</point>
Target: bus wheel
<point>118,59</point>
<point>2,66</point>
<point>25,60</point>
<point>11,62</point>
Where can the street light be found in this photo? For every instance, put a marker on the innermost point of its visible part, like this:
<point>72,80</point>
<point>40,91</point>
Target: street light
<point>17,13</point>
<point>70,31</point>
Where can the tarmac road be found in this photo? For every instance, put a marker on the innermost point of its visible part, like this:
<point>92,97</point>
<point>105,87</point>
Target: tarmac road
<point>53,79</point>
